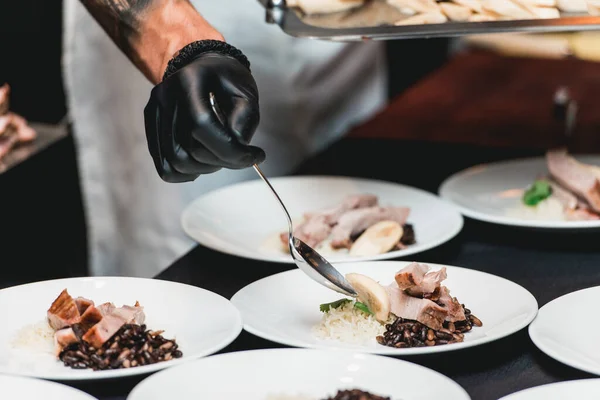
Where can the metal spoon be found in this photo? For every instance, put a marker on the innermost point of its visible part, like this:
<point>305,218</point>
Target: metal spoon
<point>306,258</point>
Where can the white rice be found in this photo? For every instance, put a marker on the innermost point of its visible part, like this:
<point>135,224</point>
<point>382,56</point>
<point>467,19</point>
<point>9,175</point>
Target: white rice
<point>38,337</point>
<point>349,325</point>
<point>547,210</point>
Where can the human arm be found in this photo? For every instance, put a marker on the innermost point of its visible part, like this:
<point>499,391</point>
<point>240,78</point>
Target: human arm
<point>185,138</point>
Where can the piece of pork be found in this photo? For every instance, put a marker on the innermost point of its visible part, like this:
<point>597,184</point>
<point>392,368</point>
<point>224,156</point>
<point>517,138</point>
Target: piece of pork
<point>106,308</point>
<point>331,216</point>
<point>356,221</point>
<point>317,226</point>
<point>563,195</point>
<point>63,338</point>
<point>453,307</point>
<point>89,318</point>
<point>422,310</point>
<point>411,275</point>
<point>574,176</point>
<point>417,280</point>
<point>581,214</point>
<point>312,232</point>
<point>83,304</point>
<point>111,323</point>
<point>63,312</point>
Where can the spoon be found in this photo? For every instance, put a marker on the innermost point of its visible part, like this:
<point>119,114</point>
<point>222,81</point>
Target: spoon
<point>306,258</point>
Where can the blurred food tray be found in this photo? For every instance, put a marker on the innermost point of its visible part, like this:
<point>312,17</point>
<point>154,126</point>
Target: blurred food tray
<point>381,20</point>
<point>48,134</point>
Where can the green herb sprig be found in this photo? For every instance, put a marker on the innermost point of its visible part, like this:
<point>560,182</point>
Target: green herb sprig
<point>538,192</point>
<point>339,303</point>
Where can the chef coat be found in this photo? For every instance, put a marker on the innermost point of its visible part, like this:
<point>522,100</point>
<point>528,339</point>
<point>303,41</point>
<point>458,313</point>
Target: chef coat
<point>311,92</point>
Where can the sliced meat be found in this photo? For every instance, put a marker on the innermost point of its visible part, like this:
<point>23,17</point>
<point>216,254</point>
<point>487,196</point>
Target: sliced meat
<point>131,315</point>
<point>411,275</point>
<point>312,232</point>
<point>106,308</point>
<point>353,202</point>
<point>425,311</point>
<point>430,284</point>
<point>453,307</point>
<point>25,133</point>
<point>317,226</point>
<point>416,279</point>
<point>581,214</point>
<point>63,312</point>
<point>574,176</point>
<point>356,221</point>
<point>63,338</point>
<point>4,98</point>
<point>563,195</point>
<point>89,318</point>
<point>83,304</point>
<point>103,330</point>
<point>112,322</point>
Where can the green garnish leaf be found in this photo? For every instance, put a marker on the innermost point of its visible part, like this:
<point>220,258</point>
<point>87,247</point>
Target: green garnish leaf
<point>336,304</point>
<point>362,307</point>
<point>339,303</point>
<point>539,191</point>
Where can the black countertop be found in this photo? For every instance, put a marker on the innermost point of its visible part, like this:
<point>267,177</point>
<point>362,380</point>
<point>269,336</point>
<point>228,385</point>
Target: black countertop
<point>548,264</point>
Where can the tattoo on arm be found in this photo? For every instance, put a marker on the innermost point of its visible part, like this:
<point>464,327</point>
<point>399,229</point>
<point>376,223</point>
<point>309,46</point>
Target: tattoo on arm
<point>121,19</point>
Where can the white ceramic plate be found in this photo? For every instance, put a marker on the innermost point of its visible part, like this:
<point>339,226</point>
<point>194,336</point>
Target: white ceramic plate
<point>22,388</point>
<point>285,307</point>
<point>312,374</point>
<point>573,347</point>
<point>245,219</point>
<point>584,389</point>
<point>201,321</point>
<point>492,193</point>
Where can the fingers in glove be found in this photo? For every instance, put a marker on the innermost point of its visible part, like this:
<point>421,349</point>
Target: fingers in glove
<point>244,118</point>
<point>221,141</point>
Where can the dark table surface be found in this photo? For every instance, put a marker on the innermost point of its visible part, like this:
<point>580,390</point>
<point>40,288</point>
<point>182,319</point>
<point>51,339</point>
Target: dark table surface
<point>549,264</point>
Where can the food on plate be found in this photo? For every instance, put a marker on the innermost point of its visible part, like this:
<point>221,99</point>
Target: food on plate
<point>13,128</point>
<point>441,11</point>
<point>105,336</point>
<point>415,310</point>
<point>571,191</point>
<point>352,394</point>
<point>359,225</point>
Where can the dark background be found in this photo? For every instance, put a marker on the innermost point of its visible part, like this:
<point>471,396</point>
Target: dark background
<point>41,199</point>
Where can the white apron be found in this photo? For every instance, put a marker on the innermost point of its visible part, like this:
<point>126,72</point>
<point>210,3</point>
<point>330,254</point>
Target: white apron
<point>311,92</point>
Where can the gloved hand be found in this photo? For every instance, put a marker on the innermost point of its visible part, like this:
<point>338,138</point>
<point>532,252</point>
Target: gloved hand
<point>185,136</point>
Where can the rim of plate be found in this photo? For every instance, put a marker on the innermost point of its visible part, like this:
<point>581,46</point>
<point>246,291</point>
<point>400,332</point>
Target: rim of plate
<point>443,192</point>
<point>388,351</point>
<point>540,344</point>
<point>543,388</point>
<point>48,383</point>
<point>322,352</point>
<point>410,250</point>
<point>144,369</point>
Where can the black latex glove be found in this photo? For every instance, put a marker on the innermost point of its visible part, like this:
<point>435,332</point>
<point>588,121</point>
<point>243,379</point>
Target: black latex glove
<point>185,137</point>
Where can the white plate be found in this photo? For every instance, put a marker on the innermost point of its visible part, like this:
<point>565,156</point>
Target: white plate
<point>284,307</point>
<point>22,388</point>
<point>584,389</point>
<point>491,192</point>
<point>201,321</point>
<point>245,219</point>
<point>317,374</point>
<point>574,347</point>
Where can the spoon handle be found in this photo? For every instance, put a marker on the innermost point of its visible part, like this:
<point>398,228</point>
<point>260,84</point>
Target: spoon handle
<point>219,114</point>
<point>287,215</point>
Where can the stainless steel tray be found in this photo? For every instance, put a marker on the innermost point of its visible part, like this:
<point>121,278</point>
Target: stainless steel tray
<point>375,21</point>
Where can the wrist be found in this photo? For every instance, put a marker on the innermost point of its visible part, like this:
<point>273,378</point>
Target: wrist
<point>167,28</point>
